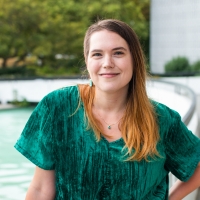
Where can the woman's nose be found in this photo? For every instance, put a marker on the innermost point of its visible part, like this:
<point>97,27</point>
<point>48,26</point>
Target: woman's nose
<point>108,62</point>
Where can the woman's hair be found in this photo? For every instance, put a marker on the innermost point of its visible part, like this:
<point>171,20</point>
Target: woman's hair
<point>139,124</point>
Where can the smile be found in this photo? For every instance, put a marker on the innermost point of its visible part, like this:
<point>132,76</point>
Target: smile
<point>109,75</point>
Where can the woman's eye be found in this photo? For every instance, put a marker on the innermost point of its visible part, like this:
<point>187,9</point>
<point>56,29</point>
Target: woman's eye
<point>119,53</point>
<point>96,54</point>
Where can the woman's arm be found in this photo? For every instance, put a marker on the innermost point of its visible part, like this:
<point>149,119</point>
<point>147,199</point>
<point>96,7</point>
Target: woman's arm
<point>42,186</point>
<point>181,189</point>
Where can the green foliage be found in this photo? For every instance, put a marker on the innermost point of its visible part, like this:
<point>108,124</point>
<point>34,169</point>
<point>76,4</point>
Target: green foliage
<point>23,103</point>
<point>178,64</point>
<point>196,66</point>
<point>47,28</point>
<point>14,72</point>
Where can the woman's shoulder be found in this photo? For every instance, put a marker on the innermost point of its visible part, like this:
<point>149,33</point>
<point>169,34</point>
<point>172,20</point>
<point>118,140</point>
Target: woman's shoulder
<point>63,94</point>
<point>169,120</point>
<point>64,91</point>
<point>62,97</point>
<point>165,113</point>
<point>161,108</point>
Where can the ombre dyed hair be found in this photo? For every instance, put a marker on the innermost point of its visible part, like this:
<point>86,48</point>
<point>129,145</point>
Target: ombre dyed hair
<point>139,125</point>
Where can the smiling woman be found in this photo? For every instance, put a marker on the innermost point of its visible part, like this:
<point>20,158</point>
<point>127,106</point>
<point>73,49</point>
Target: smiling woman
<point>108,140</point>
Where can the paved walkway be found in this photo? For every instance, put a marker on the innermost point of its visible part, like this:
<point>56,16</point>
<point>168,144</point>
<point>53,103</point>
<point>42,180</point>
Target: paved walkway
<point>6,106</point>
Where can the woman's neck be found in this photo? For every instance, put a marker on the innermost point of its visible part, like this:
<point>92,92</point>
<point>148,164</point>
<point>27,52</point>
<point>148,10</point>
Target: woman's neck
<point>112,102</point>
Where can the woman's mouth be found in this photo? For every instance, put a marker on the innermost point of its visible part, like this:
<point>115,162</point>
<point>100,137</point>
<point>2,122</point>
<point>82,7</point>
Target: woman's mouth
<point>109,75</point>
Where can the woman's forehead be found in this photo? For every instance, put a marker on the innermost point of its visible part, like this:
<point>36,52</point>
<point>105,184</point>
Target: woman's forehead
<point>106,39</point>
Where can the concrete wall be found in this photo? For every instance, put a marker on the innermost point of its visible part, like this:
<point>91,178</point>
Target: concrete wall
<point>175,31</point>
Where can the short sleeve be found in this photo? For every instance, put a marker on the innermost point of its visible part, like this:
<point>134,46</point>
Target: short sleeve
<point>36,140</point>
<point>182,148</point>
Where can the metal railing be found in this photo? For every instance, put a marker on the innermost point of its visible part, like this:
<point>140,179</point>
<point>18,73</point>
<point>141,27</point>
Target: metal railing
<point>181,90</point>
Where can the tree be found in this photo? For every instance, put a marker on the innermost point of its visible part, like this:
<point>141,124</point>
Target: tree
<point>20,32</point>
<point>196,66</point>
<point>47,28</point>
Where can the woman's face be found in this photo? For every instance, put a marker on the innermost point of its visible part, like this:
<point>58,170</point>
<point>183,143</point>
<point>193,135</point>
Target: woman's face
<point>109,61</point>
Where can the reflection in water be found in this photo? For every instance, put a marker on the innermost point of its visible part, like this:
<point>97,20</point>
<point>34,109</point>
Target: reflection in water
<point>15,170</point>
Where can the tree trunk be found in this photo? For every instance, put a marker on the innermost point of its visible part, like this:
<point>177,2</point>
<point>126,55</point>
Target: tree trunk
<point>21,58</point>
<point>4,63</point>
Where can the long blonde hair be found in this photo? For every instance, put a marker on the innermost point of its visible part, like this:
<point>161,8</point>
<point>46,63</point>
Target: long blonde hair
<point>139,125</point>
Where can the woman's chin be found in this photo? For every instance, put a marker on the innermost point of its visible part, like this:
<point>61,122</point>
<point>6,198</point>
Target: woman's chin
<point>110,89</point>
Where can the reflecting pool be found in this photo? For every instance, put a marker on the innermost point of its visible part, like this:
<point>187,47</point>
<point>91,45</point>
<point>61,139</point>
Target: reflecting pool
<point>15,170</point>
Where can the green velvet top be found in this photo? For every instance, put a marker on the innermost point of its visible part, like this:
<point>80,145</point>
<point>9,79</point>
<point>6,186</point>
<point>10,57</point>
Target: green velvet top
<point>89,170</point>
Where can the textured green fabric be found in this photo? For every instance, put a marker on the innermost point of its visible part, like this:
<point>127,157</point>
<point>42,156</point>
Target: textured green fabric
<point>90,170</point>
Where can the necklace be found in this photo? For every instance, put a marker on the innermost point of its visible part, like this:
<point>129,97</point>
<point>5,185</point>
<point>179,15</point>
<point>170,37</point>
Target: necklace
<point>109,125</point>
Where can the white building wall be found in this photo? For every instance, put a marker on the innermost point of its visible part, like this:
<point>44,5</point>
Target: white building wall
<point>174,31</point>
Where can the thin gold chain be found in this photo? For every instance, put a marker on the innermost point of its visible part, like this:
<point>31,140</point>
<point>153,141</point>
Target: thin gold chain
<point>109,125</point>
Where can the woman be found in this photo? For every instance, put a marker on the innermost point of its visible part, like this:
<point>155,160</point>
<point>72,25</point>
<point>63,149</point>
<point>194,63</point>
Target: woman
<point>107,140</point>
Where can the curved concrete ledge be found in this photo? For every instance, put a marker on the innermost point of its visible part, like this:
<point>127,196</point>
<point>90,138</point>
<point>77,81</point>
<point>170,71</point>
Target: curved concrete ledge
<point>178,97</point>
<point>6,106</point>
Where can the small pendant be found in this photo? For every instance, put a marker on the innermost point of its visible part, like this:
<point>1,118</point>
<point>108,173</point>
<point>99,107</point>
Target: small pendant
<point>109,127</point>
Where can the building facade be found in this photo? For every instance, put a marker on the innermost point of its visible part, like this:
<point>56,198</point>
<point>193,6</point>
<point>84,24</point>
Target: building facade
<point>174,31</point>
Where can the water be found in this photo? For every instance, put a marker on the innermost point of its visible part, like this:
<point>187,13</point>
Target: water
<point>15,170</point>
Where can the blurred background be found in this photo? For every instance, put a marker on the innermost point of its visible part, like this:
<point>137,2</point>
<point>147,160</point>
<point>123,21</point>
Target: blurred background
<point>41,49</point>
<point>45,38</point>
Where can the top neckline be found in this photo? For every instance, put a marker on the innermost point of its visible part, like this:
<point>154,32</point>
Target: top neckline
<point>112,142</point>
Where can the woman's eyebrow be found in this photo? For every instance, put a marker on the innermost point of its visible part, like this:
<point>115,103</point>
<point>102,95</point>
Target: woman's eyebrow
<point>96,50</point>
<point>119,48</point>
<point>114,49</point>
